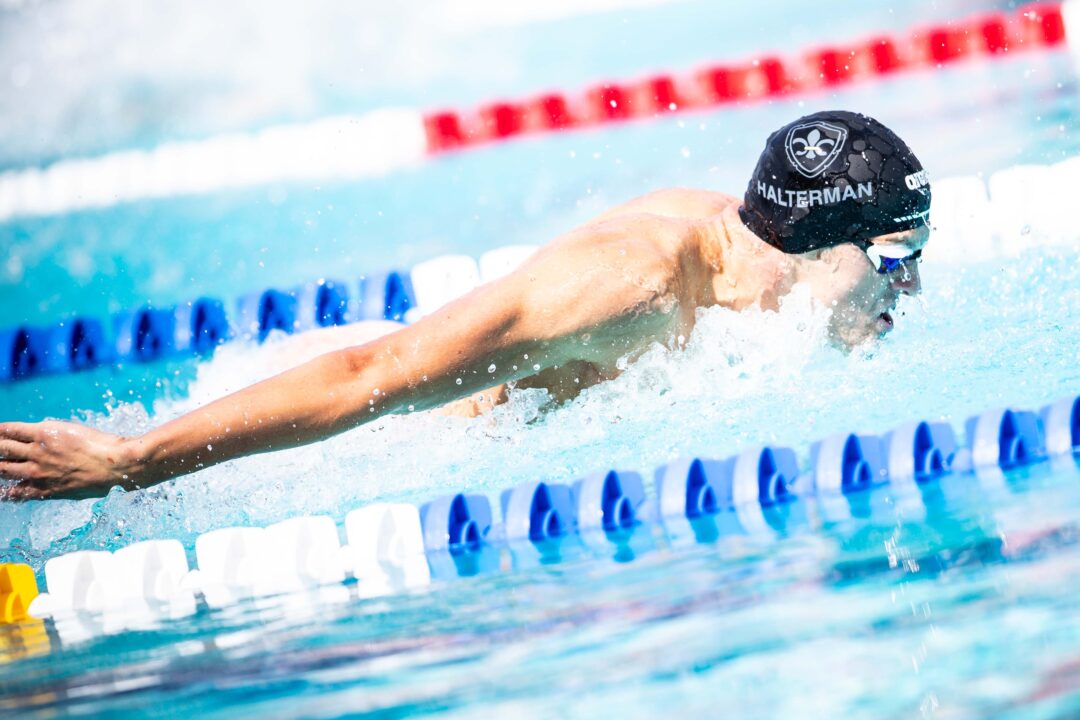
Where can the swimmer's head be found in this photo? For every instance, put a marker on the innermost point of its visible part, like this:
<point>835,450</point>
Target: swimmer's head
<point>834,177</point>
<point>847,198</point>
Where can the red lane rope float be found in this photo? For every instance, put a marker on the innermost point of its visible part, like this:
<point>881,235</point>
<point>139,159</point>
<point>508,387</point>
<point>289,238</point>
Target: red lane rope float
<point>991,35</point>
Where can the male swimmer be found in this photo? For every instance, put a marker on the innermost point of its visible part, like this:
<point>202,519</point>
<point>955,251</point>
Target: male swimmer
<point>837,202</point>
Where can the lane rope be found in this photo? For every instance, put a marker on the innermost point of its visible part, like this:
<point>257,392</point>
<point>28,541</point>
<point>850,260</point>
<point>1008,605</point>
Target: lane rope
<point>761,492</point>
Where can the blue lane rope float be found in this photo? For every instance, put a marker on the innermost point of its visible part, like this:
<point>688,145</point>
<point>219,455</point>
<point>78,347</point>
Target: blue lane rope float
<point>23,352</point>
<point>847,463</point>
<point>689,487</point>
<point>1004,438</point>
<point>456,523</point>
<point>456,530</point>
<point>539,523</point>
<point>919,450</point>
<point>144,335</point>
<point>766,475</point>
<point>609,501</point>
<point>386,295</point>
<point>259,314</point>
<point>538,512</point>
<point>323,304</point>
<point>393,547</point>
<point>77,345</point>
<point>201,325</point>
<point>1061,421</point>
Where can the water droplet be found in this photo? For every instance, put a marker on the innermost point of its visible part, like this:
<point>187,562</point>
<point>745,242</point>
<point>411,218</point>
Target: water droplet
<point>458,381</point>
<point>375,391</point>
<point>491,368</point>
<point>536,367</point>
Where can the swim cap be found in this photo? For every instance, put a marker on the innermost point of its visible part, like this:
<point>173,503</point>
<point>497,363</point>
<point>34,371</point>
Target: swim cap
<point>834,177</point>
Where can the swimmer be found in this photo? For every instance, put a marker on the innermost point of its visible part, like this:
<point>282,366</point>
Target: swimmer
<point>837,202</point>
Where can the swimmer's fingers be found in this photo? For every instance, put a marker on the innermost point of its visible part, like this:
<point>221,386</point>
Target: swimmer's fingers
<point>31,481</point>
<point>16,451</point>
<point>23,474</point>
<point>20,493</point>
<point>18,471</point>
<point>20,432</point>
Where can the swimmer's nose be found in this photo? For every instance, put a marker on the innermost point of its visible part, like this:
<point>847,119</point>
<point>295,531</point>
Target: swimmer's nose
<point>906,279</point>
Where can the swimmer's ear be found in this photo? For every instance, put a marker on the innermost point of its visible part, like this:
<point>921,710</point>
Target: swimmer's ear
<point>821,254</point>
<point>836,253</point>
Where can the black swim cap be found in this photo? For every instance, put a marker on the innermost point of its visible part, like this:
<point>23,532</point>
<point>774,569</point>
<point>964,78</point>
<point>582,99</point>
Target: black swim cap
<point>834,177</point>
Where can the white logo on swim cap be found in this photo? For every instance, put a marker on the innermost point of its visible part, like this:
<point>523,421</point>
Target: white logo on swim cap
<point>916,180</point>
<point>812,147</point>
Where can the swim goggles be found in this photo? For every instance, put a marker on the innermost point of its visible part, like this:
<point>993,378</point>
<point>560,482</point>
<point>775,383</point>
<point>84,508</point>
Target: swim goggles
<point>890,258</point>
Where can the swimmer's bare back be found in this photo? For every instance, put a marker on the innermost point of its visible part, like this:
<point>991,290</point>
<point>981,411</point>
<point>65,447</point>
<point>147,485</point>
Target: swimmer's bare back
<point>604,291</point>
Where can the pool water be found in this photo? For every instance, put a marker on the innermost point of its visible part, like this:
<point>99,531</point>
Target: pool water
<point>953,599</point>
<point>961,612</point>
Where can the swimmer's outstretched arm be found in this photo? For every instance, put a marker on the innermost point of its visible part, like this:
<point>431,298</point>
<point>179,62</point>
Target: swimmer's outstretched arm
<point>544,314</point>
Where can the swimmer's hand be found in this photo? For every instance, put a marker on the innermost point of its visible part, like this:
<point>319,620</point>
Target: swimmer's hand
<point>61,460</point>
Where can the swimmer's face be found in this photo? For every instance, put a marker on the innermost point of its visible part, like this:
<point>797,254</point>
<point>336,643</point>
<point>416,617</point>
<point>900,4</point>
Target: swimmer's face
<point>861,298</point>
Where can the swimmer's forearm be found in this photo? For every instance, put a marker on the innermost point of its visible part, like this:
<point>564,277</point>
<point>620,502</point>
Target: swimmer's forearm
<point>329,395</point>
<point>304,405</point>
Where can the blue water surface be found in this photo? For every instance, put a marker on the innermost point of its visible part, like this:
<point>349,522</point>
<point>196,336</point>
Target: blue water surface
<point>953,599</point>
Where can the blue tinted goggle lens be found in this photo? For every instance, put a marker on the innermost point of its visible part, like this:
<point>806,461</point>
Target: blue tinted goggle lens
<point>891,265</point>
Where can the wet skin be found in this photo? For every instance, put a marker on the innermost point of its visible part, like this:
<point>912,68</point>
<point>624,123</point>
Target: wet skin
<point>604,291</point>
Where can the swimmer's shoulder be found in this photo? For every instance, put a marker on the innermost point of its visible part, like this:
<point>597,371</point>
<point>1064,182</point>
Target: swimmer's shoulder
<point>650,237</point>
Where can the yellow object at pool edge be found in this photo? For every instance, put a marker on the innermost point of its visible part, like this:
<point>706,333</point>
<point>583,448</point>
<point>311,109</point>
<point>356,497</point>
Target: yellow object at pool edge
<point>18,588</point>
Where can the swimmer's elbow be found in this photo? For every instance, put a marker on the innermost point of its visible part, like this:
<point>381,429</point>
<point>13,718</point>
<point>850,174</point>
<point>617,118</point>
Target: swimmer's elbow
<point>347,372</point>
<point>354,376</point>
<point>352,363</point>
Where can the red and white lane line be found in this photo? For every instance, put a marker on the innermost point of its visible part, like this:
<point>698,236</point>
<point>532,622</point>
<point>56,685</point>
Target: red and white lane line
<point>993,35</point>
<point>383,141</point>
